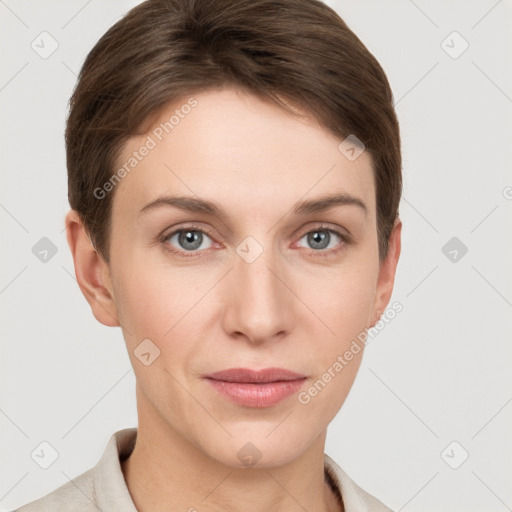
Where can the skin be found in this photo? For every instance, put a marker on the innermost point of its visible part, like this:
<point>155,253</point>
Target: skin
<point>292,307</point>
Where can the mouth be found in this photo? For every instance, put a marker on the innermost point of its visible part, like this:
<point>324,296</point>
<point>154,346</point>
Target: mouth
<point>256,388</point>
<point>246,375</point>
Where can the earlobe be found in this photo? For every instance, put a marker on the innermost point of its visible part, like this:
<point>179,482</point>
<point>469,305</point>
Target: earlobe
<point>91,272</point>
<point>377,316</point>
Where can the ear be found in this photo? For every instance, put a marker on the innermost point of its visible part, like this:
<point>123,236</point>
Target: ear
<point>92,273</point>
<point>387,272</point>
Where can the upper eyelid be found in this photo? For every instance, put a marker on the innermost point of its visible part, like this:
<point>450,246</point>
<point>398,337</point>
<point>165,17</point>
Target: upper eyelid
<point>167,235</point>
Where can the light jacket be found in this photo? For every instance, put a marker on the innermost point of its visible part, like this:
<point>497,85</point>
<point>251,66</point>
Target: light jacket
<point>103,487</point>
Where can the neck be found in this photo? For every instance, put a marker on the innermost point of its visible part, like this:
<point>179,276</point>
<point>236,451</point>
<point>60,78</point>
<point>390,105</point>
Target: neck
<point>165,472</point>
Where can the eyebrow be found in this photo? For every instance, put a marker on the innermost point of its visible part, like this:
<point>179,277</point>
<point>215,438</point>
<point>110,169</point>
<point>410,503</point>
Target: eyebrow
<point>196,205</point>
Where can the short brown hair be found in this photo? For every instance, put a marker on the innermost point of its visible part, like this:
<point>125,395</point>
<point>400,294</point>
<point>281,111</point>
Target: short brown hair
<point>161,50</point>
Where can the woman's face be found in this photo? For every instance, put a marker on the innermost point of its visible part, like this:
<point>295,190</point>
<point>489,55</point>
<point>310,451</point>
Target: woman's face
<point>261,282</point>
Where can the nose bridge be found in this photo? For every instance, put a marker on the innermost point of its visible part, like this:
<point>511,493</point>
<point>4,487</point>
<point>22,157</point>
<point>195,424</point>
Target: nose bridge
<point>259,306</point>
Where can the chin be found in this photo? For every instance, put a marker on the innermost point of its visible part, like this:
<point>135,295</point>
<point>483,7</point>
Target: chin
<point>258,449</point>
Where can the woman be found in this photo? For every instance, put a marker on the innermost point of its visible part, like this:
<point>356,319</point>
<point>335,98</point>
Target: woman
<point>234,180</point>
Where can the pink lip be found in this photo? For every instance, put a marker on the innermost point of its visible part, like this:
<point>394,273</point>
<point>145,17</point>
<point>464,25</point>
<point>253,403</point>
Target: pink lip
<point>253,388</point>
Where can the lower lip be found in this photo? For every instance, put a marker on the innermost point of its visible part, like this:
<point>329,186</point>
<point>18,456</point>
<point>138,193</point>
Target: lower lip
<point>257,395</point>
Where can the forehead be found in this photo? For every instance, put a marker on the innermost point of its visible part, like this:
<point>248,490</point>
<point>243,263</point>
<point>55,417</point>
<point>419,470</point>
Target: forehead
<point>235,149</point>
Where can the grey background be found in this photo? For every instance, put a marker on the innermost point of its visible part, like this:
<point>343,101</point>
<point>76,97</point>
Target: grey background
<point>438,373</point>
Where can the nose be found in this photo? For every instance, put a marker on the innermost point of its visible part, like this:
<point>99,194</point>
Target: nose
<point>259,307</point>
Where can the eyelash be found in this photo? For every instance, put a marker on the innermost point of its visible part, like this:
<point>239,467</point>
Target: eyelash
<point>345,240</point>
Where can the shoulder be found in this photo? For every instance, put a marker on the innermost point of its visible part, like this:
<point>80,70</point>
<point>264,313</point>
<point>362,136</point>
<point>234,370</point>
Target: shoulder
<point>102,487</point>
<point>355,499</point>
<point>371,503</point>
<point>76,495</point>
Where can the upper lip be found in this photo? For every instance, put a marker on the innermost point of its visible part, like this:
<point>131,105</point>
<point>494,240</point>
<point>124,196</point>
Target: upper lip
<point>248,375</point>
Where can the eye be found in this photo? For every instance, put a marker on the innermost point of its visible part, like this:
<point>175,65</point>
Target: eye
<point>187,240</point>
<point>323,240</point>
<point>190,241</point>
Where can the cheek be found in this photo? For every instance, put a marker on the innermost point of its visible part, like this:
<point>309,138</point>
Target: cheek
<point>342,298</point>
<point>342,302</point>
<point>344,306</point>
<point>328,390</point>
<point>149,302</point>
<point>163,304</point>
<point>148,307</point>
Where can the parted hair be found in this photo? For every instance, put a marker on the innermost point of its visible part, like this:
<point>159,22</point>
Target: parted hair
<point>290,52</point>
